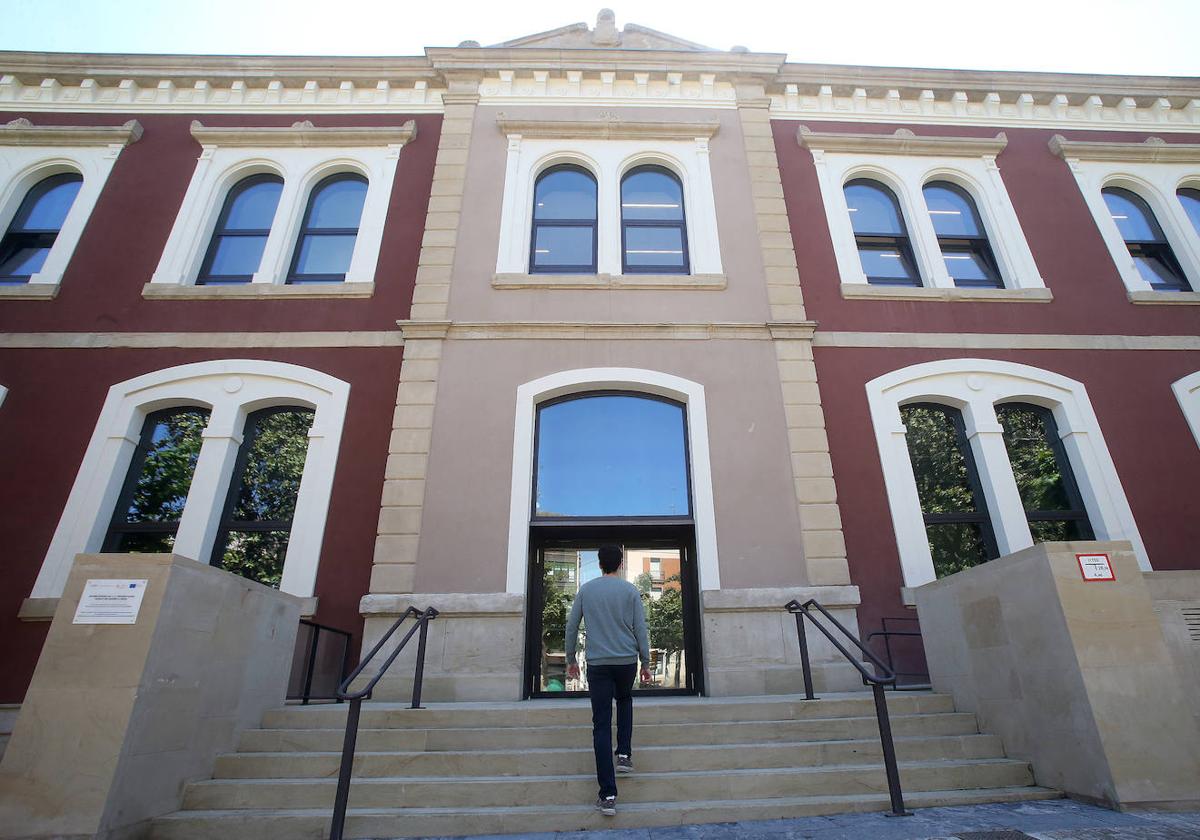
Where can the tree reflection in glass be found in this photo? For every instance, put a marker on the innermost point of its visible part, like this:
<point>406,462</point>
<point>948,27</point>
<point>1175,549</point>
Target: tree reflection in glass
<point>1043,474</point>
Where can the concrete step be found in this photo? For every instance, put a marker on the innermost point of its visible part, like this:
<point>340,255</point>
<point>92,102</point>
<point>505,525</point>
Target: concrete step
<point>578,711</point>
<point>313,823</point>
<point>645,734</point>
<point>579,760</point>
<point>496,791</point>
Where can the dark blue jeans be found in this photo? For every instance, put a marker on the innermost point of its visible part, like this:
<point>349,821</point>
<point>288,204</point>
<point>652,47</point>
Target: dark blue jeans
<point>606,683</point>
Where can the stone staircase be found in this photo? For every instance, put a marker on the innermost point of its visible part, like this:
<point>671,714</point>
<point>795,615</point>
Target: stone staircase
<point>488,768</point>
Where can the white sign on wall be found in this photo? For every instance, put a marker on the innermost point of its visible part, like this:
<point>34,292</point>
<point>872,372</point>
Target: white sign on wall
<point>110,602</point>
<point>1095,567</point>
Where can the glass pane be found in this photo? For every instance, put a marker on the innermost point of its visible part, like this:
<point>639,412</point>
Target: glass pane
<point>47,204</point>
<point>657,247</point>
<point>968,266</point>
<point>1057,530</point>
<point>146,543</point>
<point>337,204</point>
<point>1190,199</point>
<point>1034,464</point>
<point>611,455</point>
<point>24,262</point>
<point>237,255</point>
<point>274,464</point>
<point>563,246</point>
<point>172,443</point>
<point>651,194</point>
<point>952,211</point>
<point>257,555</point>
<point>938,462</point>
<point>873,209</point>
<point>565,194</point>
<point>1132,216</point>
<point>955,546</point>
<point>657,573</point>
<point>886,262</point>
<point>1156,272</point>
<point>325,254</point>
<point>253,207</point>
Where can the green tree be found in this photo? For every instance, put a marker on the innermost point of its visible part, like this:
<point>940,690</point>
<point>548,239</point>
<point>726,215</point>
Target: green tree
<point>664,622</point>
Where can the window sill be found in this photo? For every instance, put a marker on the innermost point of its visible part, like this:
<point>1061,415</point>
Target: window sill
<point>29,291</point>
<point>865,291</point>
<point>257,291</point>
<point>1176,298</point>
<point>692,282</point>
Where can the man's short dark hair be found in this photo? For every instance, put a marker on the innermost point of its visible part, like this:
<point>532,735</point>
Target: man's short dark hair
<point>610,558</point>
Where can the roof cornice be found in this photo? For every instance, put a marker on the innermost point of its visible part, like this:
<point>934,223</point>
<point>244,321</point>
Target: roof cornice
<point>492,59</point>
<point>1152,150</point>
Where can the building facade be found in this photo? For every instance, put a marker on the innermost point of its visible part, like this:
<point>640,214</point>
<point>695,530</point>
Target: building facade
<point>429,330</point>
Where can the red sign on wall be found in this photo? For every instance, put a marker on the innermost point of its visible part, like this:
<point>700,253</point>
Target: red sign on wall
<point>1095,567</point>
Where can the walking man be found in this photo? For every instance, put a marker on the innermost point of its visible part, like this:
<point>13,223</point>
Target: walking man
<point>612,612</point>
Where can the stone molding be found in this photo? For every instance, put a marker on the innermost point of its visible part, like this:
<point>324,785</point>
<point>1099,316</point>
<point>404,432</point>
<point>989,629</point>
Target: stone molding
<point>30,291</point>
<point>259,340</point>
<point>274,291</point>
<point>865,291</point>
<point>22,132</point>
<point>1168,298</point>
<point>304,133</point>
<point>607,129</point>
<point>1006,341</point>
<point>578,282</point>
<point>756,600</point>
<point>453,605</point>
<point>1150,150</point>
<point>901,142</point>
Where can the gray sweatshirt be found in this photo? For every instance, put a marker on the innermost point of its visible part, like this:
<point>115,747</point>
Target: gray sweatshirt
<point>612,611</point>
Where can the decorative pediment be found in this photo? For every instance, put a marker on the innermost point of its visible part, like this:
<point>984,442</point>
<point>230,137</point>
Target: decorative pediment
<point>577,36</point>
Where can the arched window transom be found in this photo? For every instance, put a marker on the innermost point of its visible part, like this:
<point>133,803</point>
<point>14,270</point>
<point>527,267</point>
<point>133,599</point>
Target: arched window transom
<point>35,227</point>
<point>564,222</point>
<point>325,245</point>
<point>880,234</point>
<point>961,236</point>
<point>1151,252</point>
<point>653,228</point>
<point>241,232</point>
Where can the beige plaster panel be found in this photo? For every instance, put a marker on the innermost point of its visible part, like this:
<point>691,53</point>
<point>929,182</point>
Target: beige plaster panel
<point>473,298</point>
<point>1173,592</point>
<point>119,717</point>
<point>1074,676</point>
<point>464,532</point>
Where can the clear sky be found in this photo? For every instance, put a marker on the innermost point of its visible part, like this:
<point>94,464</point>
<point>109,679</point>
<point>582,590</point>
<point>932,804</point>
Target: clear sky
<point>1089,36</point>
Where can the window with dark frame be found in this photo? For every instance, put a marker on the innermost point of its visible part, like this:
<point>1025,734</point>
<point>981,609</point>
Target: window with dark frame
<point>240,235</point>
<point>1053,505</point>
<point>256,521</point>
<point>653,227</point>
<point>148,510</point>
<point>35,227</point>
<point>961,236</point>
<point>955,512</point>
<point>1189,197</point>
<point>1151,252</point>
<point>563,237</point>
<point>325,244</point>
<point>883,242</point>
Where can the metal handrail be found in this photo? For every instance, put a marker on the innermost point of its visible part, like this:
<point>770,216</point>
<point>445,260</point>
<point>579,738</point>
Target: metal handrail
<point>887,635</point>
<point>356,698</point>
<point>881,678</point>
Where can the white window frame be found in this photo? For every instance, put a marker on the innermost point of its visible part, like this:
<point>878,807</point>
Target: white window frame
<point>905,164</point>
<point>975,387</point>
<point>682,148</point>
<point>302,156</point>
<point>1154,171</point>
<point>1187,391</point>
<point>532,394</point>
<point>33,153</point>
<point>231,390</point>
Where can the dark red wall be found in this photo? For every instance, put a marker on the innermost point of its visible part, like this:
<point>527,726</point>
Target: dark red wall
<point>125,235</point>
<point>48,417</point>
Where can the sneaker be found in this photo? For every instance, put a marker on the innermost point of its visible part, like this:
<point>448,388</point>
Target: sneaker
<point>624,764</point>
<point>607,805</point>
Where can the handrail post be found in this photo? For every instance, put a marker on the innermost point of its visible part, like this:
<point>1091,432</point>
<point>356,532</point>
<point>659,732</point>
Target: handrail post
<point>343,787</point>
<point>419,677</point>
<point>889,753</point>
<point>805,665</point>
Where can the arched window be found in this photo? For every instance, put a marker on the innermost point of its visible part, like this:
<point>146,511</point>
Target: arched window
<point>879,232</point>
<point>32,232</point>
<point>330,228</point>
<point>1049,494</point>
<point>961,236</point>
<point>1190,199</point>
<point>1144,238</point>
<point>564,222</point>
<point>256,521</point>
<point>156,485</point>
<point>957,524</point>
<point>653,228</point>
<point>236,248</point>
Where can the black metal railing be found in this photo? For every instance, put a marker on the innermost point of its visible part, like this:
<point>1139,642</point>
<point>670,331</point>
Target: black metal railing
<point>356,698</point>
<point>319,662</point>
<point>922,681</point>
<point>881,678</point>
